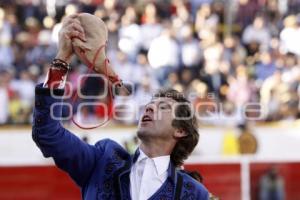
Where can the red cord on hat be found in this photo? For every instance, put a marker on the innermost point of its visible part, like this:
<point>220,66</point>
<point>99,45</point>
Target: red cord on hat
<point>113,79</point>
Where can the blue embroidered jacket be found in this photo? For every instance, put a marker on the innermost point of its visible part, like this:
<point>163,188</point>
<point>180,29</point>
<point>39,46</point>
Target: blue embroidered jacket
<point>100,170</point>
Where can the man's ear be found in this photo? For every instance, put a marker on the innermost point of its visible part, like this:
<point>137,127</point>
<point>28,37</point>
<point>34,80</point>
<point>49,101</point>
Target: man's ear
<point>179,133</point>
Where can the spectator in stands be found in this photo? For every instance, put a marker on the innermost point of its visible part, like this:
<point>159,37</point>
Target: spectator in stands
<point>4,100</point>
<point>191,53</point>
<point>125,67</point>
<point>246,9</point>
<point>163,55</point>
<point>22,86</point>
<point>144,70</point>
<point>172,80</point>
<point>43,51</point>
<point>265,68</point>
<point>19,113</point>
<point>269,96</point>
<point>130,34</point>
<point>6,51</point>
<point>240,88</point>
<point>289,36</point>
<point>258,33</point>
<point>150,28</point>
<point>233,50</point>
<point>205,20</point>
<point>271,186</point>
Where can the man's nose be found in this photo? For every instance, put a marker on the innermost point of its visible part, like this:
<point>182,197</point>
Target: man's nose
<point>149,108</point>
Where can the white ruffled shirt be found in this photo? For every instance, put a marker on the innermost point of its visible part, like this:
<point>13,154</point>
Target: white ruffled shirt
<point>147,175</point>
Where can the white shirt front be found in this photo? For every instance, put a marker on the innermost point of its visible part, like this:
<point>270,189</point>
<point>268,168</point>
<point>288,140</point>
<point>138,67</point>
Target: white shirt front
<point>147,175</point>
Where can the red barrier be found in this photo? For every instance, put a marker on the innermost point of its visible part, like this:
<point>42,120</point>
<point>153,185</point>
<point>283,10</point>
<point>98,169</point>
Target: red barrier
<point>36,183</point>
<point>222,180</point>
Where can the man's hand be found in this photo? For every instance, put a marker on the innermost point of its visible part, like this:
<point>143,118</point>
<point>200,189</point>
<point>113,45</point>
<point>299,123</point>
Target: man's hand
<point>71,28</point>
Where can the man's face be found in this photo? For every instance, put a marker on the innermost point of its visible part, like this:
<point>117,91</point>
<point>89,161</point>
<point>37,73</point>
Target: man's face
<point>156,121</point>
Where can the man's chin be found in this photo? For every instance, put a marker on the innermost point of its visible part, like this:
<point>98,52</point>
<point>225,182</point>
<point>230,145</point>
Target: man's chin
<point>142,132</point>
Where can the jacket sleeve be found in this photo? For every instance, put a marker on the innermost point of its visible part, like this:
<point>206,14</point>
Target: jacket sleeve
<point>70,154</point>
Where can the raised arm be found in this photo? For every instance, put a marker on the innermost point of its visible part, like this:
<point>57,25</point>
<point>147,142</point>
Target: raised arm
<point>69,153</point>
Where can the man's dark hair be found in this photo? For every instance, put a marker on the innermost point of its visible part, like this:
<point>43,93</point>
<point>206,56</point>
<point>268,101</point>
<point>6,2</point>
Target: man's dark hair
<point>184,120</point>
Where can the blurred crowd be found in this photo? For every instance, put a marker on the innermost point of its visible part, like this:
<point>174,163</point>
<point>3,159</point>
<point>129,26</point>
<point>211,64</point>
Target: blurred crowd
<point>235,60</point>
